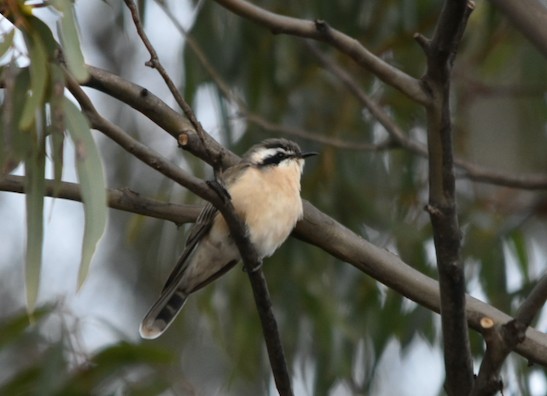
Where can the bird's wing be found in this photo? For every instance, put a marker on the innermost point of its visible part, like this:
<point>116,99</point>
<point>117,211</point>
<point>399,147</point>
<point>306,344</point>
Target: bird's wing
<point>197,231</point>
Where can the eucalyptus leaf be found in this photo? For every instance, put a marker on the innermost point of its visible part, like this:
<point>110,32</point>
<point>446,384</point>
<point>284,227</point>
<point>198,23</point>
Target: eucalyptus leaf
<point>57,127</point>
<point>34,197</point>
<point>6,41</point>
<point>92,184</point>
<point>68,32</point>
<point>38,79</point>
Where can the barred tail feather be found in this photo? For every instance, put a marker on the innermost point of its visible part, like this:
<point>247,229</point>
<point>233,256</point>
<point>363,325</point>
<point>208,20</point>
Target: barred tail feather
<point>162,314</point>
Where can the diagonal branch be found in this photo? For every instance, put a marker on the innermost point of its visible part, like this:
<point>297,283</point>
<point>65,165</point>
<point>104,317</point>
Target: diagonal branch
<point>322,231</point>
<point>177,126</point>
<point>321,31</point>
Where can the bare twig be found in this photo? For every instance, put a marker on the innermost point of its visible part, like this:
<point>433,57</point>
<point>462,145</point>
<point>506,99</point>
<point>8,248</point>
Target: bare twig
<point>155,63</point>
<point>440,53</point>
<point>320,30</point>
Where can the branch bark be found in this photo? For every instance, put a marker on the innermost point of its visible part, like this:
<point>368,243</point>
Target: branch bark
<point>321,31</point>
<point>122,199</point>
<point>501,339</point>
<point>529,17</point>
<point>327,234</point>
<point>440,52</point>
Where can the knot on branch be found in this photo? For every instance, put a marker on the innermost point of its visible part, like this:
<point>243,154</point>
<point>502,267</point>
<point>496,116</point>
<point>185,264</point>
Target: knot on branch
<point>514,332</point>
<point>434,211</point>
<point>322,27</point>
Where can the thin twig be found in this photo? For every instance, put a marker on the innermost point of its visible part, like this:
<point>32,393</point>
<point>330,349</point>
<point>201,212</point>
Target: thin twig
<point>155,63</point>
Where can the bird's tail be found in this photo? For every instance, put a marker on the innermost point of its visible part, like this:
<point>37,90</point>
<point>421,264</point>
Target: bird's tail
<point>162,313</point>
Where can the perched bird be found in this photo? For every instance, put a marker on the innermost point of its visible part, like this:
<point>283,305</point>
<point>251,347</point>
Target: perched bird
<point>265,191</point>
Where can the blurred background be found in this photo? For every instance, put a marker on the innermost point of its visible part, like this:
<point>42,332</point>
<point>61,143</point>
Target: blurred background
<point>343,332</point>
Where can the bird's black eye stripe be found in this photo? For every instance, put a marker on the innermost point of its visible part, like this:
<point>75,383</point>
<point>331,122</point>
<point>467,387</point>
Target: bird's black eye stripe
<point>275,159</point>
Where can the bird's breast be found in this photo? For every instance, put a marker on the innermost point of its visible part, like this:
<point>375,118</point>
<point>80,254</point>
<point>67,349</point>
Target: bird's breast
<point>269,202</point>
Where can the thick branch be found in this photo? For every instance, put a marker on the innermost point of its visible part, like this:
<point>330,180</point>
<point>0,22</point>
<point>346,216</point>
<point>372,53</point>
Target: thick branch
<point>319,30</point>
<point>322,231</point>
<point>440,53</point>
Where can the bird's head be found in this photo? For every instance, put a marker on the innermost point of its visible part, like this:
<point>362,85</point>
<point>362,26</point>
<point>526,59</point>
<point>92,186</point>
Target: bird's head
<point>277,153</point>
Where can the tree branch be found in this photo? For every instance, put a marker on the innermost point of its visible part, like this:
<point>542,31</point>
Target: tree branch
<point>440,53</point>
<point>321,31</point>
<point>177,126</point>
<point>529,17</point>
<point>322,231</point>
<point>501,339</point>
<point>122,199</point>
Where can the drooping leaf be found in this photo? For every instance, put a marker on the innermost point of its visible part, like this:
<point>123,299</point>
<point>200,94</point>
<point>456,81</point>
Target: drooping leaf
<point>57,126</point>
<point>68,31</point>
<point>92,184</point>
<point>38,79</point>
<point>107,366</point>
<point>34,198</point>
<point>14,326</point>
<point>6,41</point>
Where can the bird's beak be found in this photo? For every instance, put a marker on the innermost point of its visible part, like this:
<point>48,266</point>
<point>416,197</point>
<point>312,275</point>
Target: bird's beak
<point>310,154</point>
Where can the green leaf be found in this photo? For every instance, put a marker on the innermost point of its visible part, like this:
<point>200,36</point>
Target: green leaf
<point>34,197</point>
<point>38,79</point>
<point>14,326</point>
<point>68,32</point>
<point>57,124</point>
<point>518,241</point>
<point>6,42</point>
<point>92,184</point>
<point>109,364</point>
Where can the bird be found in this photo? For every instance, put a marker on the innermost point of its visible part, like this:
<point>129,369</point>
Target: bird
<point>264,188</point>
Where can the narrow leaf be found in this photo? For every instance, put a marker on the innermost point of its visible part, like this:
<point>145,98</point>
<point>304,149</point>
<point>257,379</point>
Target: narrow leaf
<point>35,188</point>
<point>57,123</point>
<point>92,183</point>
<point>68,32</point>
<point>38,78</point>
<point>6,42</point>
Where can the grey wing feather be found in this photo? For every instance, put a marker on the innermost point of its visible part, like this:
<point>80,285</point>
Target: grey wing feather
<point>172,297</point>
<point>201,227</point>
